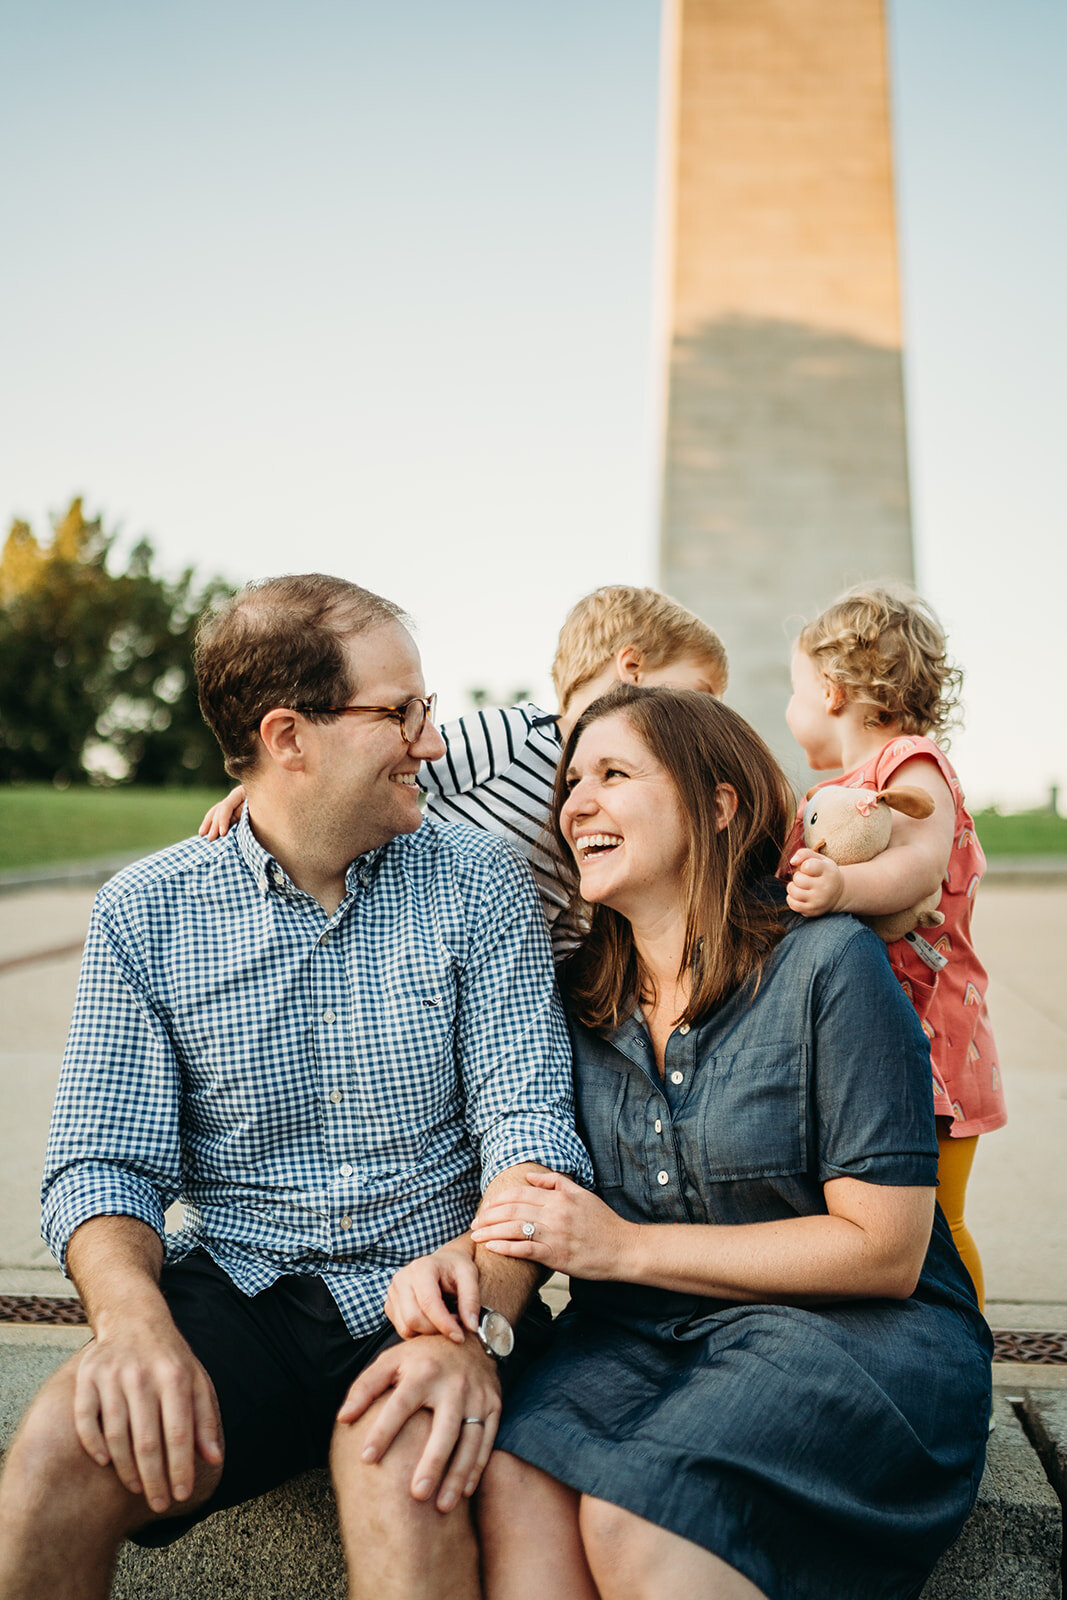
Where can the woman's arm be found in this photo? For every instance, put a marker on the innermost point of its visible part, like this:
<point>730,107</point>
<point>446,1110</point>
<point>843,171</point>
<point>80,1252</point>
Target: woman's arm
<point>871,1243</point>
<point>910,868</point>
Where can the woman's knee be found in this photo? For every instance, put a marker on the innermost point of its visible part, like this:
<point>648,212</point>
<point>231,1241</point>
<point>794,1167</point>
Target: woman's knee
<point>609,1531</point>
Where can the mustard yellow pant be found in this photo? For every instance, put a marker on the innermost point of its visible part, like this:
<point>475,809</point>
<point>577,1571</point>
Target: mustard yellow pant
<point>954,1162</point>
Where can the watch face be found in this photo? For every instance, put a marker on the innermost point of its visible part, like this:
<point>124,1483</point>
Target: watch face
<point>498,1334</point>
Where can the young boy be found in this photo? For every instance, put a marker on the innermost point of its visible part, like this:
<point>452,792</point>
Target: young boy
<point>500,764</point>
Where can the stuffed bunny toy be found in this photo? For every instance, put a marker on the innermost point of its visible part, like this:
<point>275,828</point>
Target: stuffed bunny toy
<point>851,825</point>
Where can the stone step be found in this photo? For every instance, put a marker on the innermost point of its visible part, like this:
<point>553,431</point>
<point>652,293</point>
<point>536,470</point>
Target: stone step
<point>285,1545</point>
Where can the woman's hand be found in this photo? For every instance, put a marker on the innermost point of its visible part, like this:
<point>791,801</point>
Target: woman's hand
<point>573,1231</point>
<point>219,819</point>
<point>415,1303</point>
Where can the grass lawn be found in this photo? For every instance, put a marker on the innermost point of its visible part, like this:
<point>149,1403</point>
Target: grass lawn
<point>40,825</point>
<point>1023,833</point>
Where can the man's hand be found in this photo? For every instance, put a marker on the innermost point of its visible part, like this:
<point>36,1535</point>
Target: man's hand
<point>457,1384</point>
<point>144,1403</point>
<point>816,886</point>
<point>415,1303</point>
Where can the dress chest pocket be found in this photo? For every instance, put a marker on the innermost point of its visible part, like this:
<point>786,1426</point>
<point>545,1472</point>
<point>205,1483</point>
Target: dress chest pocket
<point>753,1111</point>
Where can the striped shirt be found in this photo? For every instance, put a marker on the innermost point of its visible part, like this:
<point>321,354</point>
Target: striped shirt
<point>498,774</point>
<point>326,1094</point>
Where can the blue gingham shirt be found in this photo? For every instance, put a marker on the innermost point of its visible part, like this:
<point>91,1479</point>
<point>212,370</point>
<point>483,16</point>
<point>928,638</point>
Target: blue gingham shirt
<point>326,1094</point>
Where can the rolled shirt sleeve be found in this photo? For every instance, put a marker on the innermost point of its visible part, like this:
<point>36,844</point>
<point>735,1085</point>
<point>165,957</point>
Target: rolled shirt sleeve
<point>512,1041</point>
<point>114,1142</point>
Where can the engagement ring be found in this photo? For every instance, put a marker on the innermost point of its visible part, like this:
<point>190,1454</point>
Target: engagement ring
<point>527,1230</point>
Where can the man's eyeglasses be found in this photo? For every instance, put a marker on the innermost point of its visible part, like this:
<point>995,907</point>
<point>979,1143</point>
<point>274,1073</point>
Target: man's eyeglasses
<point>412,716</point>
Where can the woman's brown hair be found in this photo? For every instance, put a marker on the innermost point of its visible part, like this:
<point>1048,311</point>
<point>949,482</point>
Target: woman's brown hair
<point>733,920</point>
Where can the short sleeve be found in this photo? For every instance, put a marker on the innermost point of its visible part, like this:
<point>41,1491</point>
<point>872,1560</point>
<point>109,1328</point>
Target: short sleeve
<point>873,1103</point>
<point>914,747</point>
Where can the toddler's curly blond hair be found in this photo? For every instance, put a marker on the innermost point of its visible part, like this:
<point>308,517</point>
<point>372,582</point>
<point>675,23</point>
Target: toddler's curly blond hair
<point>885,647</point>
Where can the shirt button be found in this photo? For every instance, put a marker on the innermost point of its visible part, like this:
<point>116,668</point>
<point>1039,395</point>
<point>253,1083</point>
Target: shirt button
<point>346,1223</point>
<point>677,1077</point>
<point>684,1028</point>
<point>324,938</point>
<point>329,1016</point>
<point>346,1171</point>
<point>663,1177</point>
<point>658,1126</point>
<point>336,1096</point>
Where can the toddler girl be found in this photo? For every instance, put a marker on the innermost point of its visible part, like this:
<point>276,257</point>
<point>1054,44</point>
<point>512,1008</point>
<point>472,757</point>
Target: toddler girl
<point>872,691</point>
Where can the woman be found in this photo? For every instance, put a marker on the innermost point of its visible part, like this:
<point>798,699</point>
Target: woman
<point>787,1395</point>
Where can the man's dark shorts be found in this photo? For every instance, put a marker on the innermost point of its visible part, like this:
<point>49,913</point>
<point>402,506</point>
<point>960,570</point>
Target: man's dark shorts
<point>281,1361</point>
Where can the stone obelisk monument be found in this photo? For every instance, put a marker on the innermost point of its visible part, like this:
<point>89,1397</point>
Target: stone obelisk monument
<point>785,464</point>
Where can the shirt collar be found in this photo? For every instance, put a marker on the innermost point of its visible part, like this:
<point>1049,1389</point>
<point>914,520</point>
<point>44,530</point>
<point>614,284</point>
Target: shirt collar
<point>269,874</point>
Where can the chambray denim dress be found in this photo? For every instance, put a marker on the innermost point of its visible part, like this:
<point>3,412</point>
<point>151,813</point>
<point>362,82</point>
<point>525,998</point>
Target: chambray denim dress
<point>826,1452</point>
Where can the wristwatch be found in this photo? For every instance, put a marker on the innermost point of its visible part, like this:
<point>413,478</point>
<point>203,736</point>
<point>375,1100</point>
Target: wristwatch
<point>495,1334</point>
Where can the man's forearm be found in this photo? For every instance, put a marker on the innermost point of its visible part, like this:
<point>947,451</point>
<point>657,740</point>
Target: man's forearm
<point>115,1264</point>
<point>503,1288</point>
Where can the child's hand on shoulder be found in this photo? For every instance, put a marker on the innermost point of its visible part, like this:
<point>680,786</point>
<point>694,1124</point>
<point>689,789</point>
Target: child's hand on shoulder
<point>817,885</point>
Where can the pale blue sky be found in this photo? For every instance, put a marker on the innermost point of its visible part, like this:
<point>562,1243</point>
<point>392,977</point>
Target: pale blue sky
<point>370,288</point>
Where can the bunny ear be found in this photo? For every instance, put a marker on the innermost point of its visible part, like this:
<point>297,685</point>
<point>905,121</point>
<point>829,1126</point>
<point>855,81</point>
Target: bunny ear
<point>912,802</point>
<point>813,790</point>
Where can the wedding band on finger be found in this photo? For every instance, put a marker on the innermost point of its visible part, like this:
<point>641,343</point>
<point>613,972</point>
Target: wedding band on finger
<point>479,1422</point>
<point>528,1230</point>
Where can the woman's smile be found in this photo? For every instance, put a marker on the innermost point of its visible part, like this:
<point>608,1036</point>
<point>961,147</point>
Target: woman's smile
<point>593,846</point>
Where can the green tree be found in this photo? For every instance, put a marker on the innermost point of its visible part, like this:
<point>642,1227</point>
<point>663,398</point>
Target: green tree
<point>96,666</point>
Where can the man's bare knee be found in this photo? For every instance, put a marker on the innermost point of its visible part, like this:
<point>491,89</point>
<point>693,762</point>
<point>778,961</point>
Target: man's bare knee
<point>386,1483</point>
<point>394,1543</point>
<point>50,1478</point>
<point>46,1454</point>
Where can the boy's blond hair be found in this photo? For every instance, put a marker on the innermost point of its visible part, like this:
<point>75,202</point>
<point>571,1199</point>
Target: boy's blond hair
<point>884,646</point>
<point>602,623</point>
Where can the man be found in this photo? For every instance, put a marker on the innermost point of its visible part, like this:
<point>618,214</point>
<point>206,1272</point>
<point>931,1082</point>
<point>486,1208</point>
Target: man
<point>327,1033</point>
